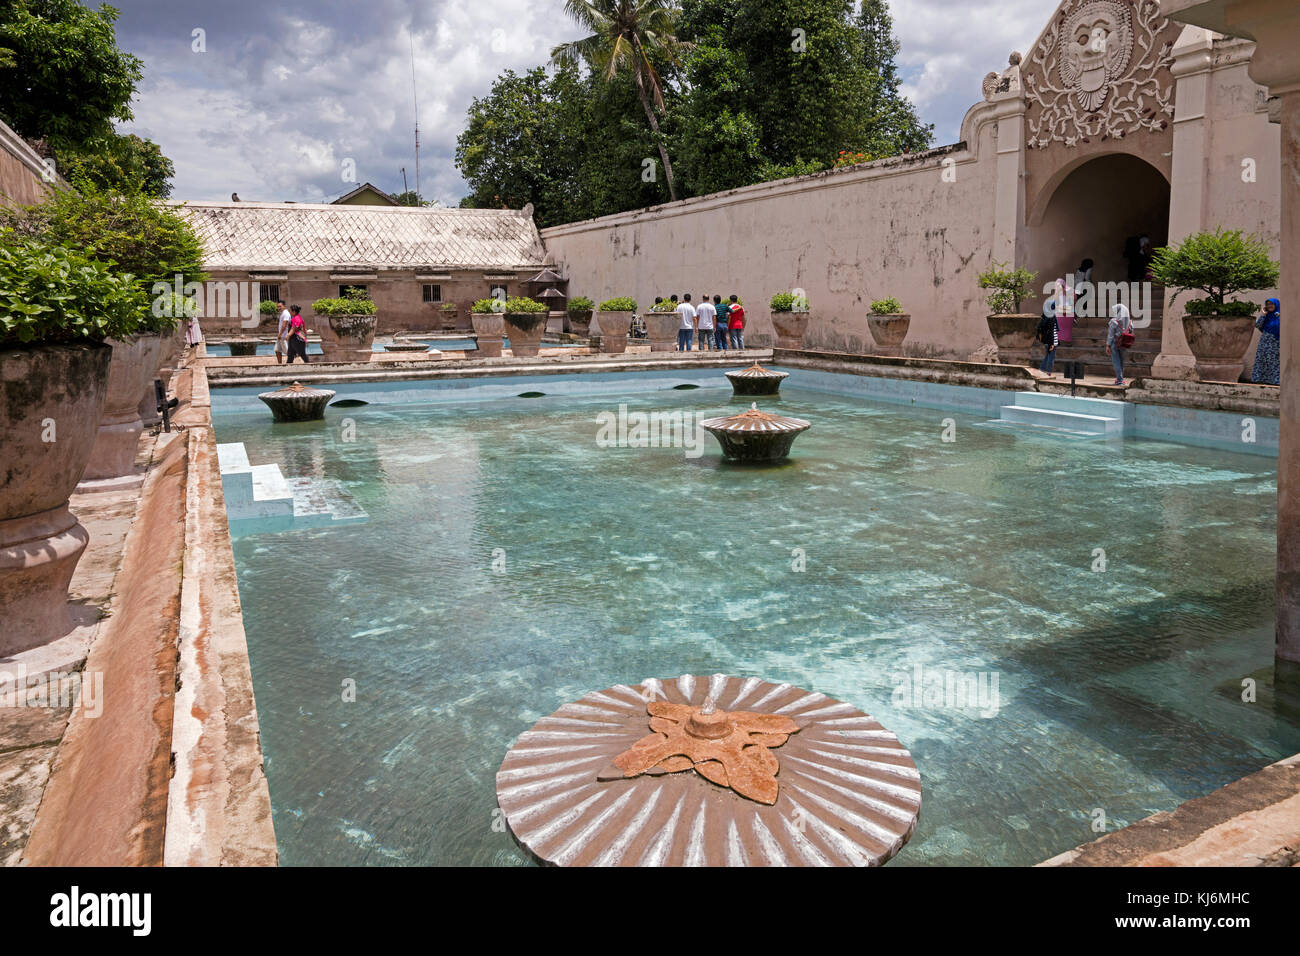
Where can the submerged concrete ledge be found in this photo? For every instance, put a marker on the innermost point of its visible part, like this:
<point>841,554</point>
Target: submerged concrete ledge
<point>1254,821</point>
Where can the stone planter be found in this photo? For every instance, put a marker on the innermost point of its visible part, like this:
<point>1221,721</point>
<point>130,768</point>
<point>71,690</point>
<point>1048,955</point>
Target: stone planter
<point>51,401</point>
<point>1015,334</point>
<point>488,327</point>
<point>790,327</point>
<point>347,338</point>
<point>448,319</point>
<point>580,322</point>
<point>613,331</point>
<point>524,329</point>
<point>662,329</point>
<point>132,366</point>
<point>297,402</point>
<point>888,331</point>
<point>1220,343</point>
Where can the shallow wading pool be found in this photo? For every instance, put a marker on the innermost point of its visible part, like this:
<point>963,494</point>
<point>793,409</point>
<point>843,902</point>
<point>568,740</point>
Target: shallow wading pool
<point>497,561</point>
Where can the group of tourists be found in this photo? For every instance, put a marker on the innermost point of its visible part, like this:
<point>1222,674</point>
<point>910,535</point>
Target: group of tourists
<point>290,335</point>
<point>710,325</point>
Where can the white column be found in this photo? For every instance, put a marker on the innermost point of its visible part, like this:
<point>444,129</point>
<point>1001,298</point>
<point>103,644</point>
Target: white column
<point>1009,205</point>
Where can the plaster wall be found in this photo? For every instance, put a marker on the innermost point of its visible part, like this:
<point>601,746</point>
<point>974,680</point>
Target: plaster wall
<point>22,173</point>
<point>897,227</point>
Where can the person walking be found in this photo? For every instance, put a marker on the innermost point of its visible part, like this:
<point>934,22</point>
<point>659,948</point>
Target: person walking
<point>1119,338</point>
<point>297,337</point>
<point>720,310</point>
<point>282,334</point>
<point>687,329</point>
<point>736,323</point>
<point>1049,333</point>
<point>1268,354</point>
<point>704,323</point>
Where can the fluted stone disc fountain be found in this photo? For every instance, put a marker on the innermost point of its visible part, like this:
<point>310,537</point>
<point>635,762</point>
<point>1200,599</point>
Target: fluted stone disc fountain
<point>709,771</point>
<point>756,435</point>
<point>756,380</point>
<point>298,402</point>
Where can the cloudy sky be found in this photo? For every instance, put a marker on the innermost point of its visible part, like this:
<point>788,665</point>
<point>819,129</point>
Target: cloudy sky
<point>273,97</point>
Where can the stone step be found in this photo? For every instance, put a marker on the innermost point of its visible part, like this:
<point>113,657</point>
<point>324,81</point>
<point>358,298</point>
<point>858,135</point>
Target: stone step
<point>1067,421</point>
<point>1103,407</point>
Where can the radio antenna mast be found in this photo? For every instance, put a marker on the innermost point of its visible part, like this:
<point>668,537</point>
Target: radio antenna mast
<point>416,99</point>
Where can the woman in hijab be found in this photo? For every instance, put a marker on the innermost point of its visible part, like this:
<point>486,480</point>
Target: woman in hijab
<point>1049,335</point>
<point>1064,296</point>
<point>1268,364</point>
<point>1119,338</point>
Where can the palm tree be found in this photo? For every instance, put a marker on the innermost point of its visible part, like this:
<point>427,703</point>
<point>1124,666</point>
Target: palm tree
<point>624,34</point>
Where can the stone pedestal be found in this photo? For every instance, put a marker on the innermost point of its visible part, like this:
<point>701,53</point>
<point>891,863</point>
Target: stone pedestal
<point>488,329</point>
<point>133,364</point>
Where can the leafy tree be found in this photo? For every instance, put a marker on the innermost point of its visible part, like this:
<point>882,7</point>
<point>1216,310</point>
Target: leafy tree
<point>125,162</point>
<point>409,198</point>
<point>627,37</point>
<point>897,127</point>
<point>68,81</point>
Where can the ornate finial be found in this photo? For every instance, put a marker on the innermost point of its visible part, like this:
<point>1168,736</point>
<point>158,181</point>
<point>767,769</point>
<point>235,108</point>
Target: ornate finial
<point>1014,59</point>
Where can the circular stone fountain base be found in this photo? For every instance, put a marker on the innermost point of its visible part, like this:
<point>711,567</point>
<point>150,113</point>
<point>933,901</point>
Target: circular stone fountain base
<point>847,793</point>
<point>297,402</point>
<point>755,436</point>
<point>756,380</point>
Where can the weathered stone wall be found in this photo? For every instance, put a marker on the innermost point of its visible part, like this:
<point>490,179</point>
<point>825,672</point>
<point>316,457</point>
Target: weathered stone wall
<point>898,227</point>
<point>22,172</point>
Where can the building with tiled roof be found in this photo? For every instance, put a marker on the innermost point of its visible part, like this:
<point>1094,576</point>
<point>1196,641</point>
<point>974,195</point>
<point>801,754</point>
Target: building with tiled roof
<point>411,260</point>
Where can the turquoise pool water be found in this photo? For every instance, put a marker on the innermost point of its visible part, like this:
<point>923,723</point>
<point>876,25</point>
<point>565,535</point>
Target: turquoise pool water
<point>1117,689</point>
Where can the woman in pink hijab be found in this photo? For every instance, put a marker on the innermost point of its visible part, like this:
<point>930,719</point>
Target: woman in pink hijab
<point>1064,296</point>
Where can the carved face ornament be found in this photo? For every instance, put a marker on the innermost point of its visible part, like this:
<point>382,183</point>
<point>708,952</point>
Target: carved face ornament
<point>1096,44</point>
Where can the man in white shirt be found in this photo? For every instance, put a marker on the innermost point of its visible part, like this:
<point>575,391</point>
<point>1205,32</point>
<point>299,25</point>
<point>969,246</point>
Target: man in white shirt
<point>704,322</point>
<point>687,328</point>
<point>282,335</point>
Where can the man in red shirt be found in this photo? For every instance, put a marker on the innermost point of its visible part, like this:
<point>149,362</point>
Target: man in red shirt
<point>736,323</point>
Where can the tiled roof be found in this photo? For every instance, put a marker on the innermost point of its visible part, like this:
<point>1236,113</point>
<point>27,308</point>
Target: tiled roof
<point>264,235</point>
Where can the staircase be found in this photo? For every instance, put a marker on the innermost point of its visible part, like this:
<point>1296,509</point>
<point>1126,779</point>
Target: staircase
<point>1067,415</point>
<point>1089,345</point>
<point>260,498</point>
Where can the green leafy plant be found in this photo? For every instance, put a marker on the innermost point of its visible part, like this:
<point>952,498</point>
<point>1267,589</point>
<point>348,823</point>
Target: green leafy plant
<point>355,302</point>
<point>267,308</point>
<point>622,303</point>
<point>579,304</point>
<point>789,302</point>
<point>448,307</point>
<point>1218,263</point>
<point>487,306</point>
<point>667,305</point>
<point>890,306</point>
<point>520,304</point>
<point>52,294</point>
<point>1009,287</point>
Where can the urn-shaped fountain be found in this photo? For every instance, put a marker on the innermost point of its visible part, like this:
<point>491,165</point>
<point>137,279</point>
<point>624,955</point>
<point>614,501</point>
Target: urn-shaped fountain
<point>756,435</point>
<point>756,380</point>
<point>297,402</point>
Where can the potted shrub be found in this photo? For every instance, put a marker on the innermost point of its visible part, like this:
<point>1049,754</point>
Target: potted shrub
<point>614,320</point>
<point>1219,264</point>
<point>488,319</point>
<point>790,318</point>
<point>1011,329</point>
<point>57,309</point>
<point>888,324</point>
<point>350,322</point>
<point>661,324</point>
<point>525,321</point>
<point>448,313</point>
<point>580,309</point>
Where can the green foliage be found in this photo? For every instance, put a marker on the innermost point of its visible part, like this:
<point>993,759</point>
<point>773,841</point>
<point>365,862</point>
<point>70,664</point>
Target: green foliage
<point>51,293</point>
<point>1009,287</point>
<point>408,198</point>
<point>667,305</point>
<point>354,302</point>
<point>68,81</point>
<point>622,303</point>
<point>130,230</point>
<point>125,163</point>
<point>486,306</point>
<point>1217,263</point>
<point>788,302</point>
<point>1210,307</point>
<point>267,308</point>
<point>890,306</point>
<point>449,307</point>
<point>519,304</point>
<point>579,304</point>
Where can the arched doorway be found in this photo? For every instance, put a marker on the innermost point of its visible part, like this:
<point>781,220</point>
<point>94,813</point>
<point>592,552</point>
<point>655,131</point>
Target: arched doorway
<point>1092,212</point>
